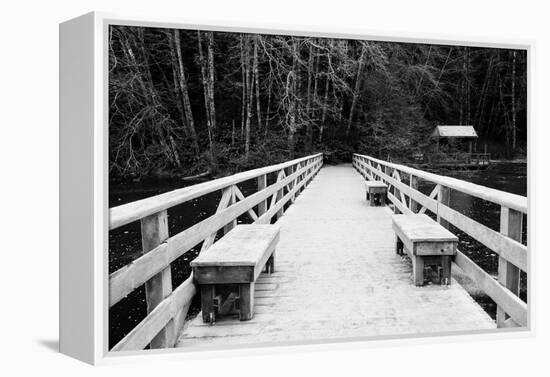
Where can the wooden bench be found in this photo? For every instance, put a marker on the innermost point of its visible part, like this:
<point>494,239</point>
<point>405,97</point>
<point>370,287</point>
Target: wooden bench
<point>427,243</point>
<point>236,259</point>
<point>376,193</point>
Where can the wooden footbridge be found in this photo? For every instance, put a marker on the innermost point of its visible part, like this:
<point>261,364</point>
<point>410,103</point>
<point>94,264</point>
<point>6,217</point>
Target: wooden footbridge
<point>337,275</point>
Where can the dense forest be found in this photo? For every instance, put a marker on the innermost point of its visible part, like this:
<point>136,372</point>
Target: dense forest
<point>186,102</point>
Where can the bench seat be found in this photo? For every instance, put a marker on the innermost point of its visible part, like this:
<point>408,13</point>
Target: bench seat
<point>376,193</point>
<point>238,258</point>
<point>427,243</point>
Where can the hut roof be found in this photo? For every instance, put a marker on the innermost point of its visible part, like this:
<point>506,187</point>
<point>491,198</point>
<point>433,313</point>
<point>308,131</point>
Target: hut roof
<point>454,131</point>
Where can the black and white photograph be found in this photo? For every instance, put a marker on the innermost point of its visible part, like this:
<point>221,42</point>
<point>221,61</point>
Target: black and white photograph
<point>278,189</point>
<point>275,188</point>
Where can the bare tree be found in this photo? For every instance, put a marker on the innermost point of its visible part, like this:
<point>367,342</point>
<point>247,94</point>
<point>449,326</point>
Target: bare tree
<point>357,88</point>
<point>208,85</point>
<point>181,78</point>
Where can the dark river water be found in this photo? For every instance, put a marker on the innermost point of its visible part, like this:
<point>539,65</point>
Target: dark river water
<point>125,242</point>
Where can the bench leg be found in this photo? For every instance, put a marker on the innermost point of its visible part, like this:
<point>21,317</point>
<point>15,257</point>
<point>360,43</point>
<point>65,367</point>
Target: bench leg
<point>368,199</point>
<point>246,301</point>
<point>445,270</point>
<point>383,200</point>
<point>398,246</point>
<point>270,265</point>
<point>418,270</point>
<point>372,201</point>
<point>207,303</point>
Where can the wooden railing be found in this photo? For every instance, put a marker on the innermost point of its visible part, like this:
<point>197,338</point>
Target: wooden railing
<point>167,308</point>
<point>511,310</point>
<point>468,158</point>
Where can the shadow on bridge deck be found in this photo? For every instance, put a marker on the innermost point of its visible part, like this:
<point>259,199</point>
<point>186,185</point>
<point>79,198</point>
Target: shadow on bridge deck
<point>337,276</point>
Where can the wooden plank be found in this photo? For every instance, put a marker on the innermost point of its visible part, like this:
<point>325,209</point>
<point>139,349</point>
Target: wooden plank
<point>511,225</point>
<point>154,231</point>
<point>240,196</point>
<point>433,194</point>
<point>206,275</point>
<point>397,176</point>
<point>243,246</point>
<point>438,248</point>
<point>246,301</point>
<point>134,274</point>
<point>127,213</point>
<point>375,184</point>
<point>402,207</point>
<point>413,184</point>
<point>513,201</point>
<point>509,323</point>
<point>280,193</point>
<point>420,228</point>
<point>175,304</point>
<point>262,184</point>
<point>231,224</point>
<point>511,304</point>
<point>418,270</point>
<point>443,198</point>
<point>221,271</point>
<point>274,197</point>
<point>225,201</point>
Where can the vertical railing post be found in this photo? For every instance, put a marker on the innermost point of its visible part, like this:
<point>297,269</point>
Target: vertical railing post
<point>301,176</point>
<point>387,171</point>
<point>413,183</point>
<point>306,171</point>
<point>233,222</point>
<point>297,179</point>
<point>279,197</point>
<point>154,231</point>
<point>444,198</point>
<point>511,224</point>
<point>262,184</point>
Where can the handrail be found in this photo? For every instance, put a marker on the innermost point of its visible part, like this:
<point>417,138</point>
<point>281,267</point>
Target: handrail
<point>511,310</point>
<point>127,213</point>
<point>167,308</point>
<point>513,201</point>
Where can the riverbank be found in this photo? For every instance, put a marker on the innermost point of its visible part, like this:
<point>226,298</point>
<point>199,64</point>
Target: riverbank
<point>511,161</point>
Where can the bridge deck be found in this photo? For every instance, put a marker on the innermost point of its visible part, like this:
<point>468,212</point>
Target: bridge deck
<point>337,276</point>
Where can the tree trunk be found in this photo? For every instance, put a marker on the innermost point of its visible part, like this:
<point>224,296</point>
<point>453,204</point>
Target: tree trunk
<point>243,79</point>
<point>513,101</point>
<point>233,133</point>
<point>184,93</point>
<point>291,90</point>
<point>324,113</point>
<point>206,87</point>
<point>257,81</point>
<point>479,110</point>
<point>309,129</point>
<point>468,85</point>
<point>501,93</point>
<point>210,39</point>
<point>357,88</point>
<point>249,94</point>
<point>144,79</point>
<point>267,110</point>
<point>179,101</point>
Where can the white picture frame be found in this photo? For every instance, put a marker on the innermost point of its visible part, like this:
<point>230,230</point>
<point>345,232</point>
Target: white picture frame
<point>84,184</point>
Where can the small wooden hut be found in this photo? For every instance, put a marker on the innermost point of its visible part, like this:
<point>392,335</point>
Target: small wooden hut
<point>468,160</point>
<point>455,132</point>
